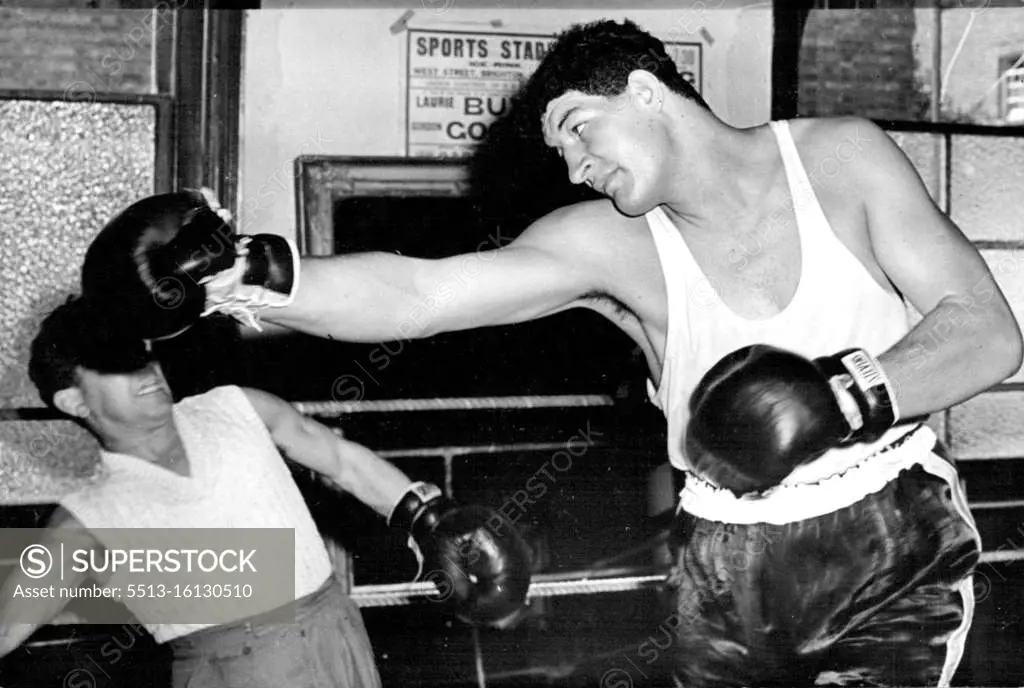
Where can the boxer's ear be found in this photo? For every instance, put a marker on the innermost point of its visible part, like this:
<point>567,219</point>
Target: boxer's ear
<point>71,402</point>
<point>645,90</point>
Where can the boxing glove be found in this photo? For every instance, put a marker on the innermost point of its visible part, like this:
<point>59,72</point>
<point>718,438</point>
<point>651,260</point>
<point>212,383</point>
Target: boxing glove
<point>478,561</point>
<point>170,259</point>
<point>761,411</point>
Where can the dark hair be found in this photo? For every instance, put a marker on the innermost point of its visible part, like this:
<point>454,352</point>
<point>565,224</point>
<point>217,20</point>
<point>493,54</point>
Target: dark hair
<point>596,59</point>
<point>76,335</point>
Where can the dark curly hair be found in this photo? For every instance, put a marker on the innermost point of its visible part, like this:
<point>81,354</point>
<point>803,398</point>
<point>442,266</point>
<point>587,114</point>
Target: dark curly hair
<point>596,59</point>
<point>76,335</point>
<point>516,176</point>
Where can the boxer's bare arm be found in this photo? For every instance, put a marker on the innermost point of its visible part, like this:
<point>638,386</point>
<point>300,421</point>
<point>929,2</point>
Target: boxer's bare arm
<point>372,297</point>
<point>969,338</point>
<point>354,468</point>
<point>20,616</point>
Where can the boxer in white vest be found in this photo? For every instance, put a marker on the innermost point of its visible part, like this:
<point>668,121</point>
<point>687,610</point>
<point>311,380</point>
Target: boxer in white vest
<point>215,460</point>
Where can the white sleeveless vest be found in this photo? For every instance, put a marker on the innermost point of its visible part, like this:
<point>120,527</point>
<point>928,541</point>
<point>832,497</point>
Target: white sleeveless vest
<point>837,305</point>
<point>238,480</point>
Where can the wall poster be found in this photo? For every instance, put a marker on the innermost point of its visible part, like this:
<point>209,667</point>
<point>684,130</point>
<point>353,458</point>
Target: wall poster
<point>459,82</point>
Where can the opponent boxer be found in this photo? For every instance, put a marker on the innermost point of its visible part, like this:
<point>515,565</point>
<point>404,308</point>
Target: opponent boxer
<point>806,240</point>
<point>212,461</point>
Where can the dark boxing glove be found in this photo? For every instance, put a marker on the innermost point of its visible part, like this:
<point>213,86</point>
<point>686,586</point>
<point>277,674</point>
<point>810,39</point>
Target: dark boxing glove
<point>170,259</point>
<point>479,562</point>
<point>761,411</point>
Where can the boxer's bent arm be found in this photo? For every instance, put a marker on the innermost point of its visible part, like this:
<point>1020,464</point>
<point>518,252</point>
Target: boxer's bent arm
<point>21,616</point>
<point>354,468</point>
<point>969,338</point>
<point>372,297</point>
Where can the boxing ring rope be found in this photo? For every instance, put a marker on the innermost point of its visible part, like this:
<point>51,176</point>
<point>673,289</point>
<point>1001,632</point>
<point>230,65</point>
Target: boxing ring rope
<point>590,582</point>
<point>628,579</point>
<point>329,409</point>
<point>584,582</point>
<point>334,409</point>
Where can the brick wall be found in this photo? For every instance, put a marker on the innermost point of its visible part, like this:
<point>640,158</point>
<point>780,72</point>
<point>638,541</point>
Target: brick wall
<point>859,62</point>
<point>77,51</point>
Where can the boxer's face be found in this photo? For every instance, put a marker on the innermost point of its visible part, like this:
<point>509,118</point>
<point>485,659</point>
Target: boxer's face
<point>127,398</point>
<point>610,143</point>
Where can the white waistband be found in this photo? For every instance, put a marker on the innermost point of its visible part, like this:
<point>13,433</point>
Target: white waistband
<point>788,503</point>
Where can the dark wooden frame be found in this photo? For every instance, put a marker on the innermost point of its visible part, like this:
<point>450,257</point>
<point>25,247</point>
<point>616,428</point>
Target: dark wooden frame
<point>323,179</point>
<point>208,62</point>
<point>789,18</point>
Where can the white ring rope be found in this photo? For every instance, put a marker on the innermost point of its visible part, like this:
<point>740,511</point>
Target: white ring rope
<point>398,594</point>
<point>337,408</point>
<point>542,585</point>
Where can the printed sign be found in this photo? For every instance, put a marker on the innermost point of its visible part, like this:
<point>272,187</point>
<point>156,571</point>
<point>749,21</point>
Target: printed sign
<point>458,83</point>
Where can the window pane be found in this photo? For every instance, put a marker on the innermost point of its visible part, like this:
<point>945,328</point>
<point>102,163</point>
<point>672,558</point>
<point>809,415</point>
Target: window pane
<point>882,63</point>
<point>79,52</point>
<point>863,62</point>
<point>978,46</point>
<point>987,191</point>
<point>65,169</point>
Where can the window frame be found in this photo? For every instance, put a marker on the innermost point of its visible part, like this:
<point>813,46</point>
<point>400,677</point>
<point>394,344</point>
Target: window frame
<point>197,63</point>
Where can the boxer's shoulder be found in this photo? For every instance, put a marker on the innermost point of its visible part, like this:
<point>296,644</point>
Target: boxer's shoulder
<point>811,131</point>
<point>594,216</point>
<point>849,143</point>
<point>218,394</point>
<point>590,228</point>
<point>617,250</point>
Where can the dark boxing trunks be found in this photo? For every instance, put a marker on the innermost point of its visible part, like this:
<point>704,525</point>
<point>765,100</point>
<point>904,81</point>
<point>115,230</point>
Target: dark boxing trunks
<point>876,593</point>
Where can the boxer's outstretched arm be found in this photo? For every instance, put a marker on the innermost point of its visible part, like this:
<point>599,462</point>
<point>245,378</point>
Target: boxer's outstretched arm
<point>969,338</point>
<point>373,297</point>
<point>354,468</point>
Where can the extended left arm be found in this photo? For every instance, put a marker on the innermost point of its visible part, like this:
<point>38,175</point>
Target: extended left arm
<point>969,338</point>
<point>476,556</point>
<point>372,480</point>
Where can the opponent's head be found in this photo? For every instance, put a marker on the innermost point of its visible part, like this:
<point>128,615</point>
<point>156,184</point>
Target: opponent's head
<point>600,96</point>
<point>122,267</point>
<point>90,371</point>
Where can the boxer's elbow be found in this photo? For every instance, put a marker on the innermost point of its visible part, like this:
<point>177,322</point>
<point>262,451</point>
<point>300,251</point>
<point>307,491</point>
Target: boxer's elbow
<point>984,337</point>
<point>1007,346</point>
<point>993,346</point>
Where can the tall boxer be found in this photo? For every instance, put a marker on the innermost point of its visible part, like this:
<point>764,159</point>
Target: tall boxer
<point>714,238</point>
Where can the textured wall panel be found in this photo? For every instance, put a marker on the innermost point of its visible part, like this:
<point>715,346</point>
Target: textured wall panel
<point>988,426</point>
<point>987,192</point>
<point>65,169</point>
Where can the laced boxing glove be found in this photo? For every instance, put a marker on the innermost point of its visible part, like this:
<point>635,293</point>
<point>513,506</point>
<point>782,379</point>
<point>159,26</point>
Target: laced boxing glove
<point>761,411</point>
<point>170,259</point>
<point>477,559</point>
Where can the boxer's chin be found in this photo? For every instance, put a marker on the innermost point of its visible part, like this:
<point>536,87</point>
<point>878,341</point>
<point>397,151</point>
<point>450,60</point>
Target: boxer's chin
<point>630,207</point>
<point>625,199</point>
